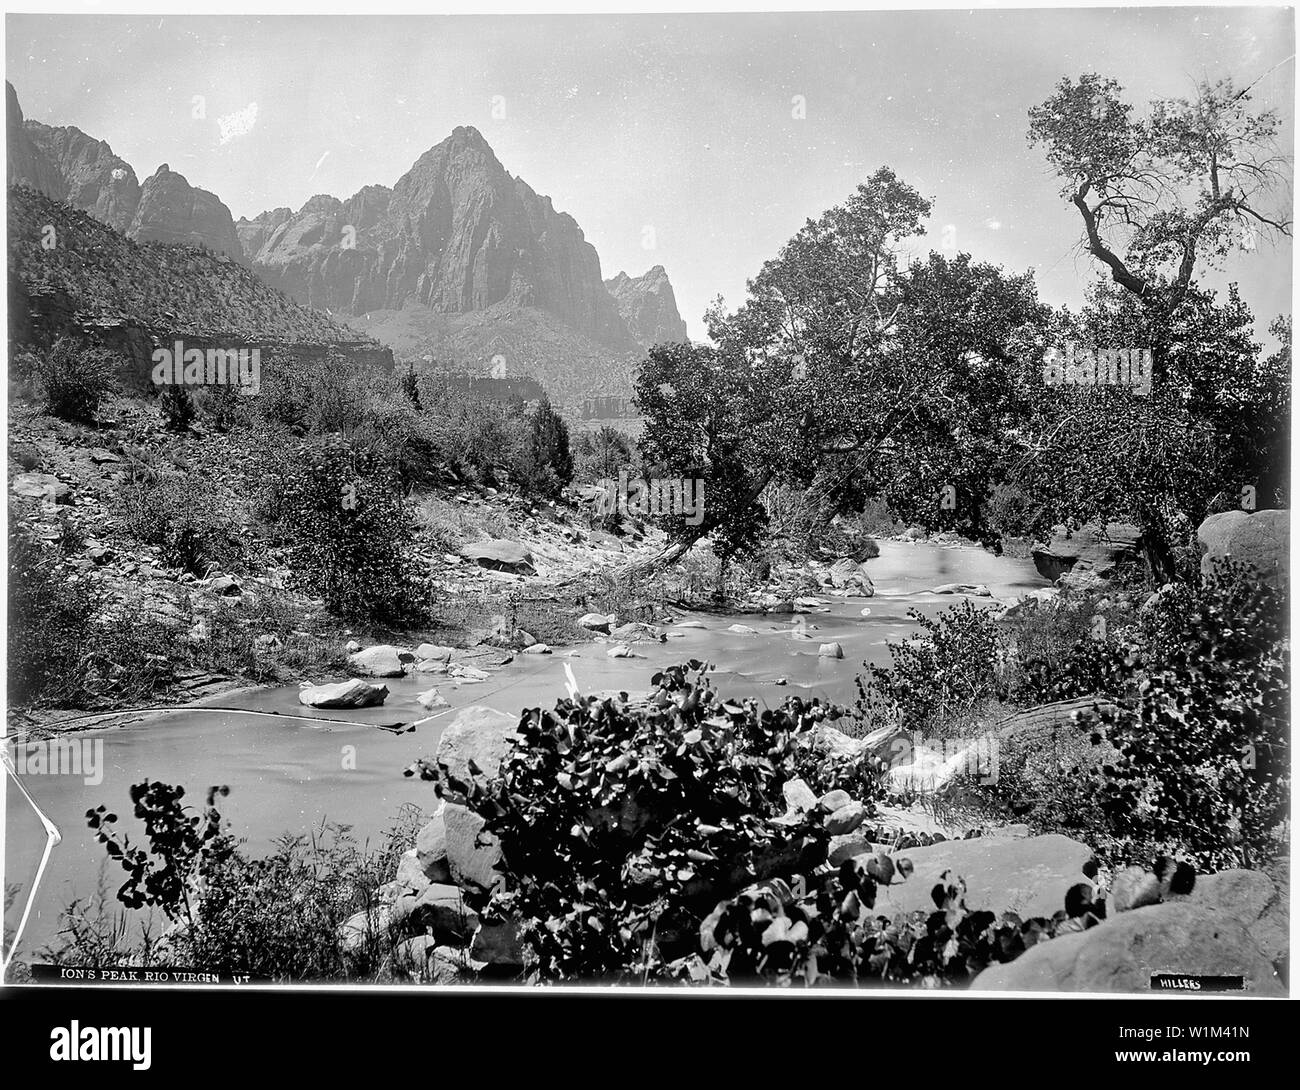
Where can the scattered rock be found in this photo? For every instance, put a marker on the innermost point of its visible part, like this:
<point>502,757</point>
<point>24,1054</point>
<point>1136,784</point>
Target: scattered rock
<point>833,800</point>
<point>596,622</point>
<point>410,872</point>
<point>537,649</point>
<point>432,652</point>
<point>846,819</point>
<point>622,651</point>
<point>472,853</point>
<point>431,847</point>
<point>42,486</point>
<point>225,585</point>
<point>798,796</point>
<point>479,736</point>
<point>742,629</point>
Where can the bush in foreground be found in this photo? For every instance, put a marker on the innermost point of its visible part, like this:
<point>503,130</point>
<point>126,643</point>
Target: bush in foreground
<point>621,826</point>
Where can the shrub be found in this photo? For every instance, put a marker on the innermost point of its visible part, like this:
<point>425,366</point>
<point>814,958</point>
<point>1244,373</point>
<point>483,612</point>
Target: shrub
<point>51,622</point>
<point>773,934</point>
<point>1203,764</point>
<point>349,532</point>
<point>946,671</point>
<point>189,518</point>
<point>177,407</point>
<point>75,379</point>
<point>622,825</point>
<point>280,917</point>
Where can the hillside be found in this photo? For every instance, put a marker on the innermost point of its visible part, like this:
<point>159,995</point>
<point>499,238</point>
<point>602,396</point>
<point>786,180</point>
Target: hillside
<point>99,275</point>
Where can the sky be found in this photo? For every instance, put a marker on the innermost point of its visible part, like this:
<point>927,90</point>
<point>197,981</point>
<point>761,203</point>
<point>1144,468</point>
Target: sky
<point>700,143</point>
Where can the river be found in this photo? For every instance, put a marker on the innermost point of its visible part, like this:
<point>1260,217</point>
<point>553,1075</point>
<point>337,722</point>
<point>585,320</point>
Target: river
<point>292,775</point>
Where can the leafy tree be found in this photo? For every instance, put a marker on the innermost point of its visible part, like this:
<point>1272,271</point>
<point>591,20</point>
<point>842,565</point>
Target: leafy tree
<point>544,461</point>
<point>350,531</point>
<point>841,368</point>
<point>604,454</point>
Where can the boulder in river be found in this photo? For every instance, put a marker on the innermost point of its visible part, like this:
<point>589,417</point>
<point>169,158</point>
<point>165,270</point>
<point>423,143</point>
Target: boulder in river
<point>353,693</point>
<point>830,651</point>
<point>382,660</point>
<point>431,698</point>
<point>433,652</point>
<point>978,590</point>
<point>596,622</point>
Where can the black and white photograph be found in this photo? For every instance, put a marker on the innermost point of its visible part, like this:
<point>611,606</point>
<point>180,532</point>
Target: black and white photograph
<point>753,503</point>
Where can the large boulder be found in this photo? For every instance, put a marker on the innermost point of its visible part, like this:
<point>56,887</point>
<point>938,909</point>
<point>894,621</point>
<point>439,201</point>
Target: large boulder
<point>42,486</point>
<point>383,660</point>
<point>439,909</point>
<point>472,853</point>
<point>847,574</point>
<point>353,693</point>
<point>507,556</point>
<point>1261,539</point>
<point>1122,954</point>
<point>478,734</point>
<point>1028,876</point>
<point>1251,898</point>
<point>1093,547</point>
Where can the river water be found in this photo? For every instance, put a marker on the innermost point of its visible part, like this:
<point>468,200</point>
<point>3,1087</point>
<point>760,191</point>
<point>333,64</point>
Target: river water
<point>292,775</point>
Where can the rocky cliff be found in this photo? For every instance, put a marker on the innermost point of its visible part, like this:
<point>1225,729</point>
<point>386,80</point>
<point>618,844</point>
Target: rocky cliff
<point>457,233</point>
<point>65,164</point>
<point>172,210</point>
<point>648,306</point>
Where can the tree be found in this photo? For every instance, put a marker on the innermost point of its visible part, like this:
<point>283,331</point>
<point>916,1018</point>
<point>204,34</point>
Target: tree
<point>840,364</point>
<point>1156,194</point>
<point>544,463</point>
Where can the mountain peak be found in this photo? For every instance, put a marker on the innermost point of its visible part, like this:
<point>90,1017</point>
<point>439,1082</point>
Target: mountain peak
<point>648,306</point>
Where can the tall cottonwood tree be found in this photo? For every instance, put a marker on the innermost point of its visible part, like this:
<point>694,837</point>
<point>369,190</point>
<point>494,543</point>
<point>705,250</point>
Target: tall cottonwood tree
<point>1161,198</point>
<point>1189,182</point>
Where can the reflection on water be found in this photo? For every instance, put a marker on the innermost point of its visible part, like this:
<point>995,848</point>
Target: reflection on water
<point>291,775</point>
